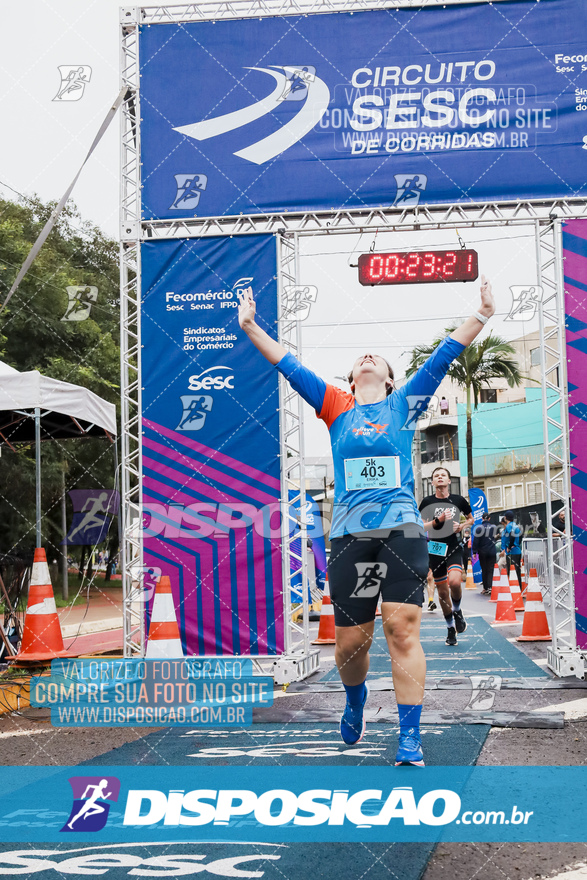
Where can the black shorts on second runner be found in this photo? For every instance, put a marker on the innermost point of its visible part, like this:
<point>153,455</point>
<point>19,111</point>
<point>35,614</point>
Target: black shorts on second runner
<point>362,567</point>
<point>440,565</point>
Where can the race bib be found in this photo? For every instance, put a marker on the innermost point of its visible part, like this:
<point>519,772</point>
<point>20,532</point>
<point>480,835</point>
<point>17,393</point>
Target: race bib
<point>372,473</point>
<point>437,548</point>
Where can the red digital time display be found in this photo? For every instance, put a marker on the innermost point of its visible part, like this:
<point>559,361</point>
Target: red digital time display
<point>418,267</point>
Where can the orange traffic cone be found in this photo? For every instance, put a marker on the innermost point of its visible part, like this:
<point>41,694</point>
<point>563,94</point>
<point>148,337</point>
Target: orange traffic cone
<point>503,581</point>
<point>535,623</point>
<point>524,578</point>
<point>470,582</point>
<point>164,640</point>
<point>515,590</point>
<point>504,610</point>
<point>326,625</point>
<point>42,638</point>
<point>378,611</point>
<point>496,582</point>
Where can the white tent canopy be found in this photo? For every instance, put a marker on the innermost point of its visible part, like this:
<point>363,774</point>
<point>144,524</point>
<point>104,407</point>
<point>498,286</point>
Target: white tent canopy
<point>67,409</point>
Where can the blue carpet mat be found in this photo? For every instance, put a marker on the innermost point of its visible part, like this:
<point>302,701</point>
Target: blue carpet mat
<point>295,744</point>
<point>303,746</point>
<point>268,861</point>
<point>481,649</point>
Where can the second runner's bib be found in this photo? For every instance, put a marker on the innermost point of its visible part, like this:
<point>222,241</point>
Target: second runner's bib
<point>372,473</point>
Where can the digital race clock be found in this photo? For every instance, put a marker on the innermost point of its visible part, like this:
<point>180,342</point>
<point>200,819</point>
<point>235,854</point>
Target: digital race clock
<point>418,267</point>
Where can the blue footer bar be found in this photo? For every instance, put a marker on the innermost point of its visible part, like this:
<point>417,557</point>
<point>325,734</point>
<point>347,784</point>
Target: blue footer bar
<point>288,804</point>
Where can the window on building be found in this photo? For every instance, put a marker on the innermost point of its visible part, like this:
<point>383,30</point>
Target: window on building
<point>445,448</point>
<point>513,496</point>
<point>535,493</point>
<point>488,395</point>
<point>534,357</point>
<point>494,496</point>
<point>557,485</point>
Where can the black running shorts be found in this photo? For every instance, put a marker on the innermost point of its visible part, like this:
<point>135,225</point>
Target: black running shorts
<point>441,564</point>
<point>363,567</point>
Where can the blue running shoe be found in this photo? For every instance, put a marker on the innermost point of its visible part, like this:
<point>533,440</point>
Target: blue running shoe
<point>410,749</point>
<point>352,723</point>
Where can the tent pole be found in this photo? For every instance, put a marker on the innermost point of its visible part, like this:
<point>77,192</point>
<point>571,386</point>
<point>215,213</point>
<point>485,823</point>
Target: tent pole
<point>64,572</point>
<point>38,471</point>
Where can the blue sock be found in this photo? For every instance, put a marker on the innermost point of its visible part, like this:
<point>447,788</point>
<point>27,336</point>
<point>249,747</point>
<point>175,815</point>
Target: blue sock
<point>409,717</point>
<point>456,606</point>
<point>355,693</point>
<point>450,621</point>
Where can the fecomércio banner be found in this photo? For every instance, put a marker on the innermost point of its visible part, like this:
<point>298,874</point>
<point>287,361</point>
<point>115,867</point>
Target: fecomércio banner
<point>575,263</point>
<point>211,479</point>
<point>480,102</point>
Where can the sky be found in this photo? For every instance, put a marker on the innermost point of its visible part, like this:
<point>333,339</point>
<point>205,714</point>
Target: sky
<point>47,142</point>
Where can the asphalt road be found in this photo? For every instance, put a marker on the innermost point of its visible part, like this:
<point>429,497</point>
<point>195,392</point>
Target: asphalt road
<point>28,738</point>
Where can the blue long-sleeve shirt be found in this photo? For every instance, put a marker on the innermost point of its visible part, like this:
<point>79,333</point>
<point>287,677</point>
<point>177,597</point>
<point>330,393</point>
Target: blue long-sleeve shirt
<point>360,431</point>
<point>510,539</point>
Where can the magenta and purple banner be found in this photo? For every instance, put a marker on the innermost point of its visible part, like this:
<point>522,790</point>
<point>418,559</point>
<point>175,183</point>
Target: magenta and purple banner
<point>211,476</point>
<point>575,256</point>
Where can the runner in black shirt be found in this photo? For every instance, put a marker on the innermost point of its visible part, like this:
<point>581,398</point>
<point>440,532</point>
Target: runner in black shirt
<point>441,513</point>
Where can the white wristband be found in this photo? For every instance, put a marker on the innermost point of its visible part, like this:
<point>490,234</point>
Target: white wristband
<point>480,317</point>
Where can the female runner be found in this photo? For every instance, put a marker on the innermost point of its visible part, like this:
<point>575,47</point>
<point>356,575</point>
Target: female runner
<point>378,545</point>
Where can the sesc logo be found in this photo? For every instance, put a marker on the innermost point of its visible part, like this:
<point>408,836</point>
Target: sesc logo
<point>214,378</point>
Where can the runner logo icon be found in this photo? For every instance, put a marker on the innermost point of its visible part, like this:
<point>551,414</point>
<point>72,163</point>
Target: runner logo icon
<point>409,188</point>
<point>371,575</point>
<point>90,802</point>
<point>189,189</point>
<point>195,409</point>
<point>525,301</point>
<point>291,84</point>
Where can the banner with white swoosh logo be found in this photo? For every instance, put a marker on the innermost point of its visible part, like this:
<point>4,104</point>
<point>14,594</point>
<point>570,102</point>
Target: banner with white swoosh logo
<point>391,107</point>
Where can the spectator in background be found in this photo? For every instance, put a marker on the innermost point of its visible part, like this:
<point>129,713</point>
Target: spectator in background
<point>558,520</point>
<point>484,536</point>
<point>443,406</point>
<point>511,544</point>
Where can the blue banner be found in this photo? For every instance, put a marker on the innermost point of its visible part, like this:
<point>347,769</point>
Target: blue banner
<point>315,533</point>
<point>478,503</point>
<point>210,442</point>
<point>393,107</point>
<point>117,804</point>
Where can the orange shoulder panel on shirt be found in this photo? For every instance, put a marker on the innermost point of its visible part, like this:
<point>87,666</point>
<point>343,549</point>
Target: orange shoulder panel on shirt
<point>335,403</point>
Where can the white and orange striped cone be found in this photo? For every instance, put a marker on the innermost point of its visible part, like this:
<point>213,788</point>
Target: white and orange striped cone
<point>378,611</point>
<point>515,590</point>
<point>503,581</point>
<point>326,634</point>
<point>163,640</point>
<point>495,583</point>
<point>42,638</point>
<point>524,578</point>
<point>535,624</point>
<point>470,582</point>
<point>504,610</point>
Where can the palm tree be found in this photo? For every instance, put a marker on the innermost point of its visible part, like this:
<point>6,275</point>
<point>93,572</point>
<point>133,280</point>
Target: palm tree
<point>475,367</point>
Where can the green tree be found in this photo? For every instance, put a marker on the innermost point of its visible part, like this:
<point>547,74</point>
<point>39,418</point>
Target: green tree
<point>33,336</point>
<point>491,358</point>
